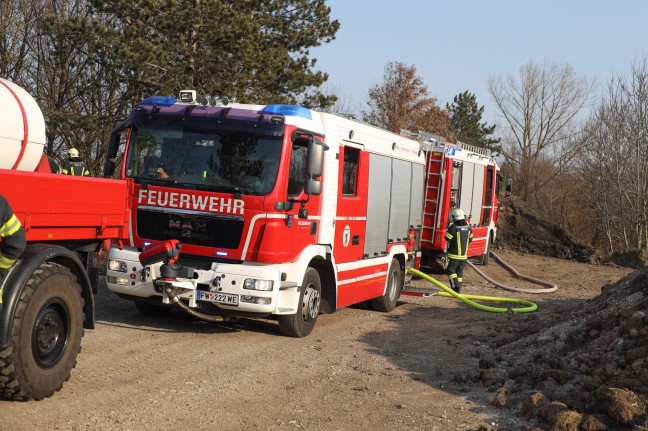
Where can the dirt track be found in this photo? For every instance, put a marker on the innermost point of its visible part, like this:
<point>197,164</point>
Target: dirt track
<point>410,369</point>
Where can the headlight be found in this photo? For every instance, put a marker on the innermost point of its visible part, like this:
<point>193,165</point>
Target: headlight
<point>117,280</point>
<point>117,265</point>
<point>254,284</point>
<point>256,300</point>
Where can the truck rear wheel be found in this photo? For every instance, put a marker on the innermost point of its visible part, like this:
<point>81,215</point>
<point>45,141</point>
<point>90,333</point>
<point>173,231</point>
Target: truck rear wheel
<point>46,335</point>
<point>302,323</point>
<point>485,256</point>
<point>388,301</point>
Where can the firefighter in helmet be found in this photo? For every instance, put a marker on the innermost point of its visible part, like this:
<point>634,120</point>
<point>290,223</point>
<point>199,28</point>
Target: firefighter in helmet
<point>458,236</point>
<point>13,239</point>
<point>74,165</point>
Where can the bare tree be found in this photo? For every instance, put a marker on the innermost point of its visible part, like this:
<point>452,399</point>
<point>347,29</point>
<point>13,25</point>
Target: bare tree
<point>402,101</point>
<point>615,161</point>
<point>539,108</point>
<point>17,21</point>
<point>344,104</point>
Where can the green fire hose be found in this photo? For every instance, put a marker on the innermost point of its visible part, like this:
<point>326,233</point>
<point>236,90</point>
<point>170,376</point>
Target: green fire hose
<point>468,299</point>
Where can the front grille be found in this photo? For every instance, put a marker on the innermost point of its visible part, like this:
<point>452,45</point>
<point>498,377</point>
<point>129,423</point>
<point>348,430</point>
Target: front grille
<point>190,228</point>
<point>202,262</point>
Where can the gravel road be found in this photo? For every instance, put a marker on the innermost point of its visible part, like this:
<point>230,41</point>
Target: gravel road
<point>359,369</point>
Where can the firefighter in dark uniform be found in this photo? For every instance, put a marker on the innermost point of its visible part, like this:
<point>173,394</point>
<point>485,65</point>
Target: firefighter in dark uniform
<point>74,165</point>
<point>13,239</point>
<point>458,236</point>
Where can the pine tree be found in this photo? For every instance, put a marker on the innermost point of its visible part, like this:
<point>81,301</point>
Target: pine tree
<point>466,122</point>
<point>256,51</point>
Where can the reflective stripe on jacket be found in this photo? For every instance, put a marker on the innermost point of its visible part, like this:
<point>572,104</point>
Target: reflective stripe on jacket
<point>458,238</point>
<point>75,168</point>
<point>12,234</point>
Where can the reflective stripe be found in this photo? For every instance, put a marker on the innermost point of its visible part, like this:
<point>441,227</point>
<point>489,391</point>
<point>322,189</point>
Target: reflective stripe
<point>455,257</point>
<point>9,228</point>
<point>6,263</point>
<point>461,253</point>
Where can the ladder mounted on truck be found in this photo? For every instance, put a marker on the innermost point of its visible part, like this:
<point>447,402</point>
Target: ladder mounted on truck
<point>435,155</point>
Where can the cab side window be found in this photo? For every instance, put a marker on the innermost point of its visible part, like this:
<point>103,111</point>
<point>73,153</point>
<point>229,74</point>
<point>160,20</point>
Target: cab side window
<point>297,176</point>
<point>350,174</point>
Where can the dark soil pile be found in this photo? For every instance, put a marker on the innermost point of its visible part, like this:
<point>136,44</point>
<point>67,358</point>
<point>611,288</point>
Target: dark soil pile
<point>630,259</point>
<point>521,230</point>
<point>588,371</point>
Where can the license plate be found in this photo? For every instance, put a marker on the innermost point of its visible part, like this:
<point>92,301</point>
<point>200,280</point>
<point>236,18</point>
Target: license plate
<point>219,298</point>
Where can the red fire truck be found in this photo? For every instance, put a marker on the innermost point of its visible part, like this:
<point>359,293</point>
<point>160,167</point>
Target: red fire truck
<point>48,297</point>
<point>279,210</point>
<point>457,176</point>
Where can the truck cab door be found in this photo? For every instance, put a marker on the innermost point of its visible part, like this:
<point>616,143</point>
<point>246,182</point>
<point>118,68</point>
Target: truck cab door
<point>351,217</point>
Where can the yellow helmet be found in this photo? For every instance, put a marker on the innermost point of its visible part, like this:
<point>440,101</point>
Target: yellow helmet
<point>73,152</point>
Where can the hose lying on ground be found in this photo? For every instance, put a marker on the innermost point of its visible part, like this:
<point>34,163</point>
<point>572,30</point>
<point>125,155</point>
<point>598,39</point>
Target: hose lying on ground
<point>551,287</point>
<point>468,299</point>
<point>202,316</point>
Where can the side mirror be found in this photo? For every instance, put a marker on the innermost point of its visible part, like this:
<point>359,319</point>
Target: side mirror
<point>509,187</point>
<point>315,157</point>
<point>115,138</point>
<point>313,187</point>
<point>113,145</point>
<point>108,168</point>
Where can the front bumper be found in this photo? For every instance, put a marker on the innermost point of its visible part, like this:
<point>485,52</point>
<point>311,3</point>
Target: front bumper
<point>135,281</point>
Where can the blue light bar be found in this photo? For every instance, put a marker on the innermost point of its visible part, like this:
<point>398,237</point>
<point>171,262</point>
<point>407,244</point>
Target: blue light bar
<point>292,110</point>
<point>159,101</point>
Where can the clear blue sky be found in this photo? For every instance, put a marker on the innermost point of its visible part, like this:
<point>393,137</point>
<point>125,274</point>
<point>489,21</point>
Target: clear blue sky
<point>457,45</point>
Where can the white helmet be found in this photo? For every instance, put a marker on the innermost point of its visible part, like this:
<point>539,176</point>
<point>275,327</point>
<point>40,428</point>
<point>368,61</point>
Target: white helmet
<point>457,215</point>
<point>73,152</point>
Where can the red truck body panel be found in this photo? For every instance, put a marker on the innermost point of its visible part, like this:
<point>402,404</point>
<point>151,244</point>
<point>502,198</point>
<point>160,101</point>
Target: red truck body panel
<point>54,207</point>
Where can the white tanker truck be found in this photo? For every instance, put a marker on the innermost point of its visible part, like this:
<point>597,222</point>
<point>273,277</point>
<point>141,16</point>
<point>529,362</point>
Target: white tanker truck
<point>47,297</point>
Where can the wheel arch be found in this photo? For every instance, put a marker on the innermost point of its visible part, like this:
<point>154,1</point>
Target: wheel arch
<point>31,258</point>
<point>399,253</point>
<point>328,283</point>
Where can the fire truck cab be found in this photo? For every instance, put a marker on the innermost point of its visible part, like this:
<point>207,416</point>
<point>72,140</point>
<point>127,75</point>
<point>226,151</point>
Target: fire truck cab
<point>280,210</point>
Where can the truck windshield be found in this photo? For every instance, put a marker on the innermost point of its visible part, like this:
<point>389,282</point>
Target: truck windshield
<point>204,159</point>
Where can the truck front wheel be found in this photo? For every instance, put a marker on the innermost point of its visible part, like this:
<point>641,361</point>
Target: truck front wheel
<point>302,323</point>
<point>46,335</point>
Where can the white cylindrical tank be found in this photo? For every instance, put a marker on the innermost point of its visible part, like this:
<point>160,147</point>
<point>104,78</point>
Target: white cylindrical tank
<point>22,128</point>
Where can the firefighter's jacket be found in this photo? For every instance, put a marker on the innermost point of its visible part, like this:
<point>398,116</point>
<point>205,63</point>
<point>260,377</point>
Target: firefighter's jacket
<point>75,166</point>
<point>12,234</point>
<point>458,237</point>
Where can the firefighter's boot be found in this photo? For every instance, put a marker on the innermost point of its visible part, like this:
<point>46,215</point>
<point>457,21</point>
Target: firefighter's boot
<point>454,284</point>
<point>458,283</point>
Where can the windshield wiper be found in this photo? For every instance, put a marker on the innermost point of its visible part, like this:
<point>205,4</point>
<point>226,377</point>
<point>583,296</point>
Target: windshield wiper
<point>238,194</point>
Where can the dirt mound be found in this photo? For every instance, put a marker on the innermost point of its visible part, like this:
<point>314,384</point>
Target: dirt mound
<point>519,229</point>
<point>588,371</point>
<point>630,259</point>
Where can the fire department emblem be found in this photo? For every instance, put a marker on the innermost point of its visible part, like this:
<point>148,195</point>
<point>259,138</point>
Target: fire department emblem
<point>346,236</point>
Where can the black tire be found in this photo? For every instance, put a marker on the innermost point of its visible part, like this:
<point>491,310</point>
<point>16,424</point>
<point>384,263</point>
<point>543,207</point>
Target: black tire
<point>388,301</point>
<point>485,256</point>
<point>152,309</point>
<point>302,323</point>
<point>46,335</point>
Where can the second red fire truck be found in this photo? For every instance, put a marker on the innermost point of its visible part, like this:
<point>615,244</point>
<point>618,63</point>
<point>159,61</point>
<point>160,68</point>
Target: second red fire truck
<point>457,176</point>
